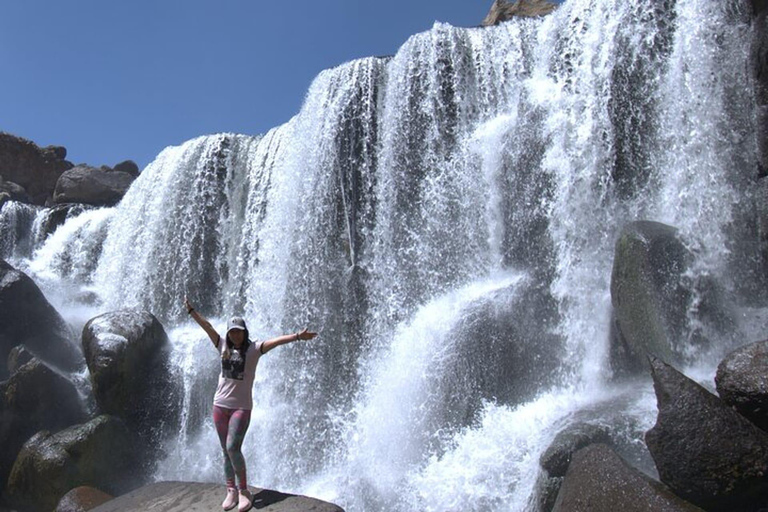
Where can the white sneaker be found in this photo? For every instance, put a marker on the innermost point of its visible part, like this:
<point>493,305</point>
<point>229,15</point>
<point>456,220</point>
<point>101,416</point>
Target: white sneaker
<point>231,500</point>
<point>246,501</point>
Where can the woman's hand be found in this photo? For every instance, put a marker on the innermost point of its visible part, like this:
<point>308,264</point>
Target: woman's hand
<point>305,335</point>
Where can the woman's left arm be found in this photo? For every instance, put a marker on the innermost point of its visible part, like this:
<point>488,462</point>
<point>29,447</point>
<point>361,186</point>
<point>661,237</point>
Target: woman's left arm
<point>285,339</point>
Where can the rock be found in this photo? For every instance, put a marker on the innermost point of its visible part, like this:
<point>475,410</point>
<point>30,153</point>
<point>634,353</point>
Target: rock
<point>545,493</point>
<point>190,497</point>
<point>705,451</point>
<point>89,185</point>
<point>18,357</point>
<point>27,317</point>
<point>128,166</point>
<point>761,194</point>
<point>598,480</point>
<point>742,382</point>
<point>58,215</point>
<point>34,398</point>
<point>35,169</point>
<point>100,453</point>
<point>504,351</point>
<point>556,459</point>
<point>127,354</point>
<point>82,499</point>
<point>652,297</point>
<point>502,10</point>
<point>14,191</point>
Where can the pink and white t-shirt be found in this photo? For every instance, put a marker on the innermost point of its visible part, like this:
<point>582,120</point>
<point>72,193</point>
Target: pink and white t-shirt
<point>238,372</point>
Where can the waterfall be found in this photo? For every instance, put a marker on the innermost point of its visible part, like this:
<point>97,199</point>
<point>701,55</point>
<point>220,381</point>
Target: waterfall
<point>446,219</point>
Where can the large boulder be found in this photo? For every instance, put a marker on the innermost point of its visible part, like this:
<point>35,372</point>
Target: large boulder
<point>128,166</point>
<point>94,186</point>
<point>653,298</point>
<point>127,354</point>
<point>35,169</point>
<point>598,480</point>
<point>101,453</point>
<point>705,451</point>
<point>26,317</point>
<point>742,382</point>
<point>33,399</point>
<point>179,496</point>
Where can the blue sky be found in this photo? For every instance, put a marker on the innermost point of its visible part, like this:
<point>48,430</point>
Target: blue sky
<point>117,80</point>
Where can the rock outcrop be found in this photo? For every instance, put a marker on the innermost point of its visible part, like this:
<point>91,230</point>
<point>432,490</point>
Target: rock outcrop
<point>742,382</point>
<point>94,186</point>
<point>101,453</point>
<point>705,451</point>
<point>502,10</point>
<point>26,317</point>
<point>33,168</point>
<point>187,496</point>
<point>598,480</point>
<point>127,354</point>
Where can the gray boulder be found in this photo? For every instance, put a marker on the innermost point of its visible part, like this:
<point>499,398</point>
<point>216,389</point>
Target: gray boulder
<point>58,215</point>
<point>705,451</point>
<point>651,299</point>
<point>26,317</point>
<point>598,480</point>
<point>34,168</point>
<point>741,382</point>
<point>33,399</point>
<point>14,191</point>
<point>100,453</point>
<point>179,496</point>
<point>90,185</point>
<point>127,354</point>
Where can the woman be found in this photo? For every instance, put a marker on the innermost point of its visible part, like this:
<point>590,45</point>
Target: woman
<point>233,400</point>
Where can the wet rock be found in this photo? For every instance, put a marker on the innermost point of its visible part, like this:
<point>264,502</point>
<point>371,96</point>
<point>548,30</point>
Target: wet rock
<point>742,382</point>
<point>27,317</point>
<point>34,168</point>
<point>651,298</point>
<point>90,185</point>
<point>598,480</point>
<point>502,10</point>
<point>18,357</point>
<point>57,215</point>
<point>180,496</point>
<point>34,398</point>
<point>127,354</point>
<point>556,459</point>
<point>100,453</point>
<point>705,451</point>
<point>82,499</point>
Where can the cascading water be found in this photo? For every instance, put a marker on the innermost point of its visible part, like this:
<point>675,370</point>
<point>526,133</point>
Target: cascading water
<point>446,219</point>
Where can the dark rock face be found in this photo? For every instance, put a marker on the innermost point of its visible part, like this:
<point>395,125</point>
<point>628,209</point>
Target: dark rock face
<point>82,499</point>
<point>89,185</point>
<point>35,169</point>
<point>741,382</point>
<point>705,451</point>
<point>126,352</point>
<point>598,480</point>
<point>34,398</point>
<point>14,191</point>
<point>100,453</point>
<point>651,298</point>
<point>556,459</point>
<point>178,496</point>
<point>761,195</point>
<point>57,215</point>
<point>27,317</point>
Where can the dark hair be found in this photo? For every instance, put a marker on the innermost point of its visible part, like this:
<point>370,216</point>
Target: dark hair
<point>246,341</point>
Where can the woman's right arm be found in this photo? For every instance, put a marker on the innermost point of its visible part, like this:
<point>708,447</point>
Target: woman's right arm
<point>202,322</point>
